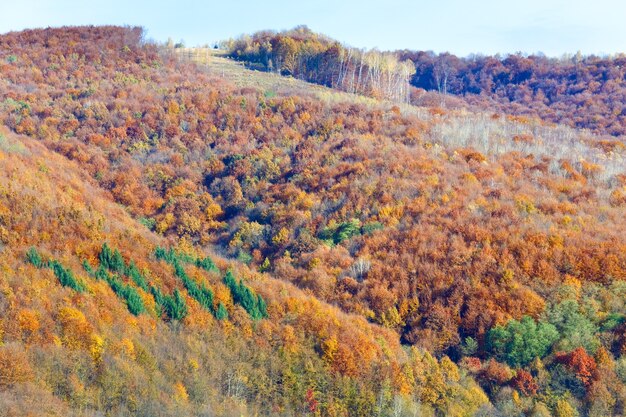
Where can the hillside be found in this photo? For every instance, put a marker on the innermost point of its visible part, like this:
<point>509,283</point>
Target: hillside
<point>73,339</point>
<point>578,91</point>
<point>395,259</point>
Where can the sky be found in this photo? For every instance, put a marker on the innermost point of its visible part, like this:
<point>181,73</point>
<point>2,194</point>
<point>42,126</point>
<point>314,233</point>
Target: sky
<point>462,27</point>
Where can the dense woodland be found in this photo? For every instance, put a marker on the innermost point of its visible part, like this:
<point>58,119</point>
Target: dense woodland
<point>316,58</point>
<point>579,91</point>
<point>173,244</point>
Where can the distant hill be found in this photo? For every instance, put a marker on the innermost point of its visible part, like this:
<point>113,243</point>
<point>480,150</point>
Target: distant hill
<point>580,91</point>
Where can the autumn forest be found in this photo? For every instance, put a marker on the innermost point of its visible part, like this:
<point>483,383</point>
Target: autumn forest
<point>288,226</point>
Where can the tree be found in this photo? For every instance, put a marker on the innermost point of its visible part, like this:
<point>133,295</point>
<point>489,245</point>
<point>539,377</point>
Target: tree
<point>523,381</point>
<point>581,363</point>
<point>112,260</point>
<point>575,328</point>
<point>519,342</point>
<point>221,313</point>
<point>65,276</point>
<point>133,273</point>
<point>14,366</point>
<point>469,346</point>
<point>34,258</point>
<point>242,295</point>
<point>175,306</point>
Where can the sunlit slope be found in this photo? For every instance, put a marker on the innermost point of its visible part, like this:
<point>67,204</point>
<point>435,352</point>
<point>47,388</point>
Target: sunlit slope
<point>76,341</point>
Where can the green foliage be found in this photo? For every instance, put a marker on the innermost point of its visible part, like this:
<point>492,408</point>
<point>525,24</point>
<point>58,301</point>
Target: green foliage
<point>244,257</point>
<point>371,227</point>
<point>130,295</point>
<point>175,306</point>
<point>159,299</point>
<point>11,59</point>
<point>149,222</point>
<point>574,327</point>
<point>133,273</point>
<point>65,276</point>
<point>18,106</point>
<point>111,260</point>
<point>11,146</point>
<point>88,267</point>
<point>34,258</point>
<point>469,347</point>
<point>170,256</point>
<point>335,234</point>
<point>265,266</point>
<point>253,304</point>
<point>520,342</point>
<point>612,321</point>
<point>221,313</point>
<point>207,264</point>
<point>202,294</point>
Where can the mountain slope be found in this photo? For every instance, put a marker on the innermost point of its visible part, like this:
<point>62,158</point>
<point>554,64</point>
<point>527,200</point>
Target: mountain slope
<point>85,351</point>
<point>457,233</point>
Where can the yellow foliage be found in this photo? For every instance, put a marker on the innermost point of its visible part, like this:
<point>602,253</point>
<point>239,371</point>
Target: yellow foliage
<point>165,223</point>
<point>281,236</point>
<point>173,107</point>
<point>96,348</point>
<point>213,210</point>
<point>76,329</point>
<point>28,321</point>
<point>193,364</point>
<point>470,178</point>
<point>330,347</point>
<point>314,263</point>
<point>450,370</point>
<point>391,318</point>
<point>127,347</point>
<point>432,180</point>
<point>289,339</point>
<point>564,409</point>
<point>180,393</point>
<point>525,205</point>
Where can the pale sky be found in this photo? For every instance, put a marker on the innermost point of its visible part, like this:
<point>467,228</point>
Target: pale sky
<point>462,27</point>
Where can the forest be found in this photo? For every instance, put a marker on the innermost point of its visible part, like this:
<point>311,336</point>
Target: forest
<point>304,54</point>
<point>174,244</point>
<point>579,91</point>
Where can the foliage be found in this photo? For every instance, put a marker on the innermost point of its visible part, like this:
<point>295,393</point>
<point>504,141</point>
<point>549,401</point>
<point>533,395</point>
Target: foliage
<point>111,259</point>
<point>133,300</point>
<point>303,54</point>
<point>175,306</point>
<point>520,342</point>
<point>65,276</point>
<point>576,90</point>
<point>221,313</point>
<point>202,294</point>
<point>443,225</point>
<point>252,303</point>
<point>576,330</point>
<point>35,258</point>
